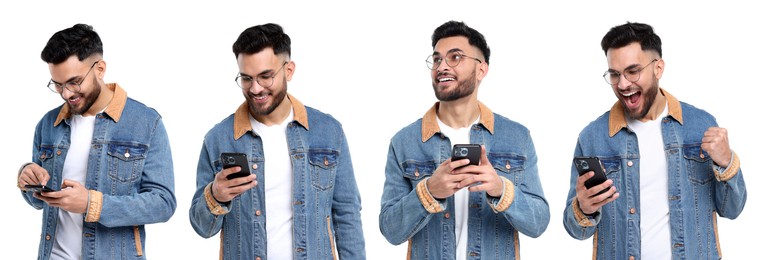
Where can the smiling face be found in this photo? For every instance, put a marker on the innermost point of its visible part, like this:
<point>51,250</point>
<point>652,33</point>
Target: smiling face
<point>460,81</point>
<point>637,97</point>
<point>265,64</point>
<point>81,102</point>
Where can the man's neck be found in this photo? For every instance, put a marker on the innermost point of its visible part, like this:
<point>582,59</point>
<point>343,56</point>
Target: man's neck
<point>656,108</point>
<point>278,115</point>
<point>105,96</point>
<point>459,113</point>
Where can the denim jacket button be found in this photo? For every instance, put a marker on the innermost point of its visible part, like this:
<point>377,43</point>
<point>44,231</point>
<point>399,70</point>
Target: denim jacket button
<point>632,210</point>
<point>258,213</point>
<point>630,163</point>
<point>447,214</point>
<point>258,258</point>
<point>254,166</point>
<point>416,173</point>
<point>48,237</point>
<point>58,152</point>
<point>632,258</point>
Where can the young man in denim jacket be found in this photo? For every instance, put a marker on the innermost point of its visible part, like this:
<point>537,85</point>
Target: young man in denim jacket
<point>446,211</point>
<point>650,143</point>
<point>108,155</point>
<point>301,200</point>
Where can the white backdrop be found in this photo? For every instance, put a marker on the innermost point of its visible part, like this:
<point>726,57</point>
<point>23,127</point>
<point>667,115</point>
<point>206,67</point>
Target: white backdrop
<point>364,64</point>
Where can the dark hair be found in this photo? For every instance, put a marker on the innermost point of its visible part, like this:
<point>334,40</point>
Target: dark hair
<point>622,35</point>
<point>256,38</point>
<point>454,28</point>
<point>80,40</point>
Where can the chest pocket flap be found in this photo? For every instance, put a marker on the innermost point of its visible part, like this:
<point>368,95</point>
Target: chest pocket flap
<point>127,152</point>
<point>415,170</point>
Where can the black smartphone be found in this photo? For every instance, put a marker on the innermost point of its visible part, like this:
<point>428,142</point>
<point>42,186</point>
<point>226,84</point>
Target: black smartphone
<point>235,159</point>
<point>38,188</point>
<point>586,164</point>
<point>466,151</point>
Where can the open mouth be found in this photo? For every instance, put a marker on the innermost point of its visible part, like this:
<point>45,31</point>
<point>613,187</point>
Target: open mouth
<point>632,99</point>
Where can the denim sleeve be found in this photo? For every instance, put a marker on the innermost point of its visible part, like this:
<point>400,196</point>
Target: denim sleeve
<point>731,195</point>
<point>402,214</point>
<point>204,222</point>
<point>578,226</point>
<point>529,212</point>
<point>346,207</point>
<point>155,201</point>
<point>34,202</point>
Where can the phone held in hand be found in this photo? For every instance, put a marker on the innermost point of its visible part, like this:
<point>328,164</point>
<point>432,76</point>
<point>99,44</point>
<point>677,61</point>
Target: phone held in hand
<point>586,164</point>
<point>38,188</point>
<point>466,151</point>
<point>235,159</point>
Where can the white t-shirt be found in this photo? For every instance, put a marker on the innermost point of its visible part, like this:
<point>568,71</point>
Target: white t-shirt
<point>461,197</point>
<point>655,212</point>
<point>68,241</point>
<point>278,188</point>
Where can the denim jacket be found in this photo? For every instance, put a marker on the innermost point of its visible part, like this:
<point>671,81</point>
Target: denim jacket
<point>326,203</point>
<point>130,177</point>
<point>698,190</point>
<point>410,213</point>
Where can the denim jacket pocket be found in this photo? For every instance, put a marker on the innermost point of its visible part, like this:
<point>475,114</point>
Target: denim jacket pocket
<point>415,171</point>
<point>509,165</point>
<point>612,167</point>
<point>323,162</point>
<point>45,155</point>
<point>126,161</point>
<point>698,164</point>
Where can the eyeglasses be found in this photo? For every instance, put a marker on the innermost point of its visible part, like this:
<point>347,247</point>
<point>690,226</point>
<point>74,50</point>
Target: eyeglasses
<point>72,86</point>
<point>452,59</point>
<point>264,80</point>
<point>632,75</point>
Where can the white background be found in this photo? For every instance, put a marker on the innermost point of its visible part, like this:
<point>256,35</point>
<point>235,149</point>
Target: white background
<point>364,64</point>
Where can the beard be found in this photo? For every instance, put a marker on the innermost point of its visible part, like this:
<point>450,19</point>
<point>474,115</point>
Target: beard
<point>277,97</point>
<point>88,99</point>
<point>465,88</point>
<point>648,100</point>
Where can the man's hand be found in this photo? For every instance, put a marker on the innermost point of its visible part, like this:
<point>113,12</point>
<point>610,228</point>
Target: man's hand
<point>482,177</point>
<point>73,197</point>
<point>32,174</point>
<point>588,203</point>
<point>715,141</point>
<point>443,183</point>
<point>225,190</point>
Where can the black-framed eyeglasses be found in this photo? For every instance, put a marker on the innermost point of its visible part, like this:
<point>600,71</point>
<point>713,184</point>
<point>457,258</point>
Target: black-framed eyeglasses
<point>631,74</point>
<point>72,86</point>
<point>264,80</point>
<point>452,59</point>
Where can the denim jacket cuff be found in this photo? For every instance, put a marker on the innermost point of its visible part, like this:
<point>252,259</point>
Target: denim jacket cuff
<point>730,171</point>
<point>94,207</point>
<point>214,206</point>
<point>506,199</point>
<point>580,217</point>
<point>427,200</point>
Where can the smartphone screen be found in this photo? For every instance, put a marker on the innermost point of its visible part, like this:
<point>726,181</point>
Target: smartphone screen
<point>235,159</point>
<point>38,188</point>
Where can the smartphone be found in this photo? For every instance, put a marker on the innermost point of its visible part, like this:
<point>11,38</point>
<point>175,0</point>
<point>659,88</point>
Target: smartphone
<point>466,151</point>
<point>586,164</point>
<point>38,188</point>
<point>235,159</point>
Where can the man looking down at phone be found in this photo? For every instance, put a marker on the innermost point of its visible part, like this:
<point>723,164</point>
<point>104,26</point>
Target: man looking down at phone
<point>107,154</point>
<point>670,170</point>
<point>425,192</point>
<point>301,200</point>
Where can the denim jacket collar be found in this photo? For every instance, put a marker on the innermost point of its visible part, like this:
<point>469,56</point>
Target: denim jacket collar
<point>241,124</point>
<point>430,126</point>
<point>616,120</point>
<point>114,108</point>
